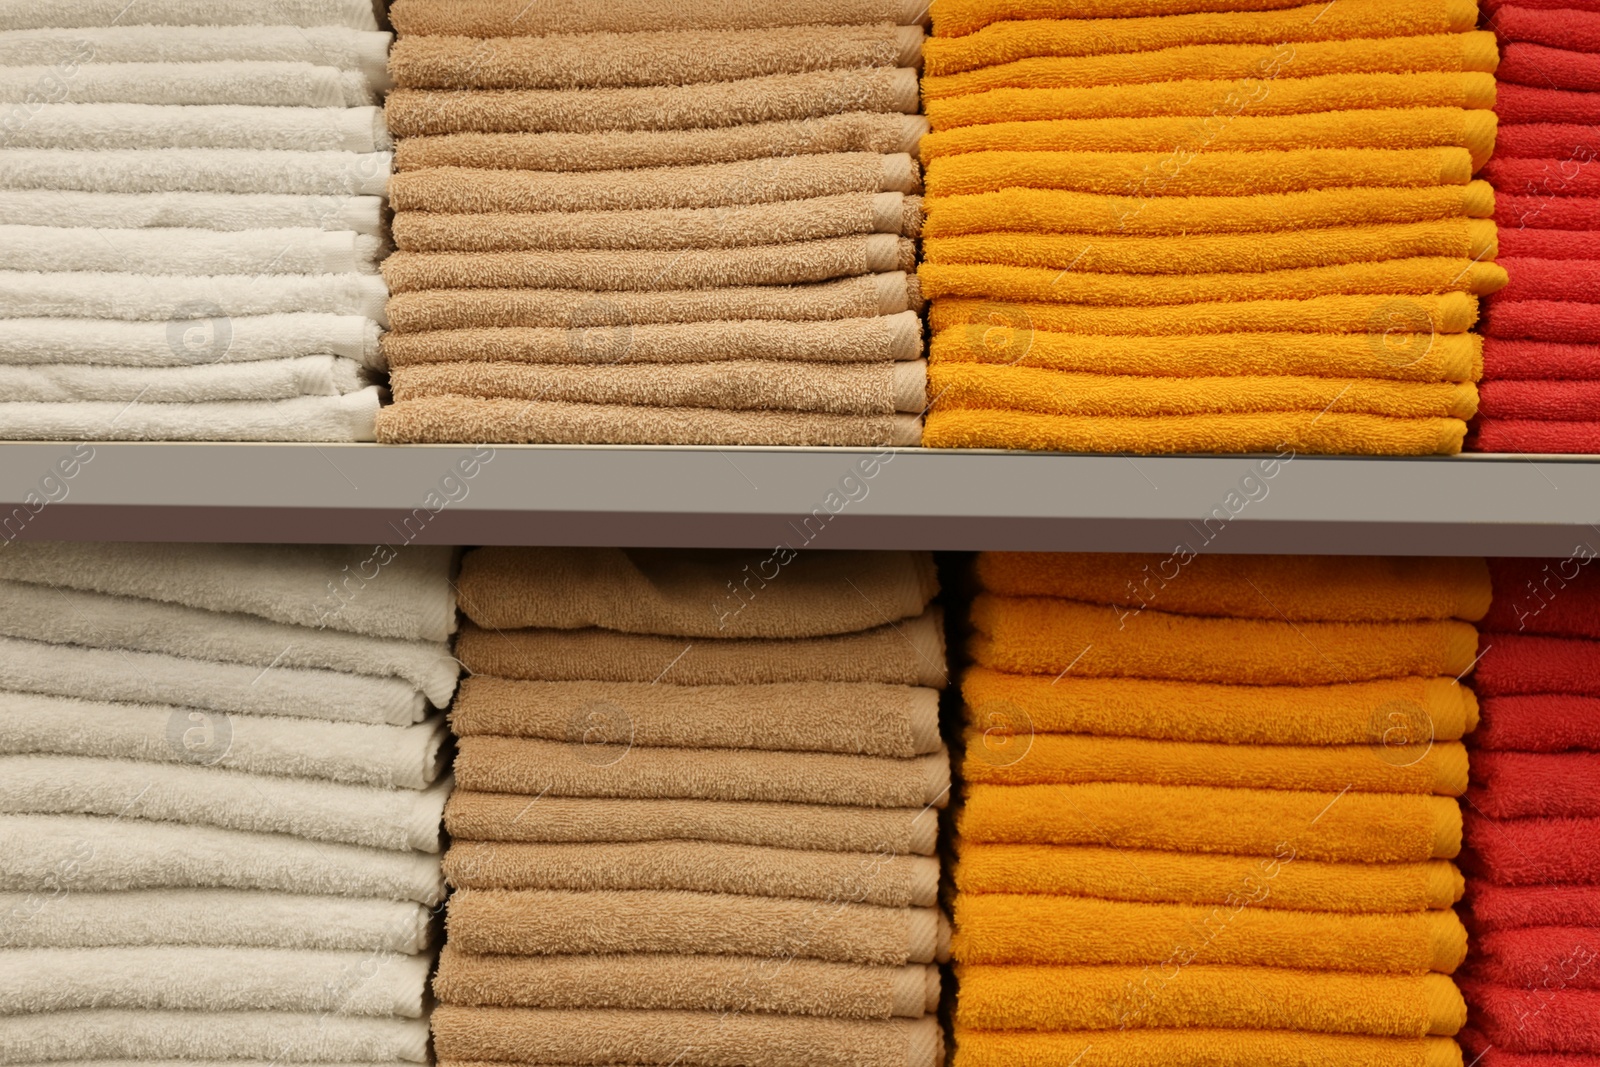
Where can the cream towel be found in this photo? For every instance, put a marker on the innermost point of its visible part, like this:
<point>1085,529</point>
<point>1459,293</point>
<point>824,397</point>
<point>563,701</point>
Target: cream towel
<point>200,170</point>
<point>61,615</point>
<point>277,379</point>
<point>268,84</point>
<point>351,417</point>
<point>414,601</point>
<point>27,15</point>
<point>209,211</point>
<point>265,1036</point>
<point>91,854</point>
<point>212,979</point>
<point>389,757</point>
<point>325,46</point>
<point>105,343</point>
<point>146,297</point>
<point>188,251</point>
<point>233,800</point>
<point>107,127</point>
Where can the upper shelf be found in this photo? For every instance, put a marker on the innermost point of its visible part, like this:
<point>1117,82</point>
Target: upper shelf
<point>818,498</point>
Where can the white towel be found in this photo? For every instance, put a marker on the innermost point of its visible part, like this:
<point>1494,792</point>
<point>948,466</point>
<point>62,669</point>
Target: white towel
<point>199,170</point>
<point>189,343</point>
<point>151,297</point>
<point>186,251</point>
<point>100,855</point>
<point>299,85</point>
<point>325,46</point>
<point>208,796</point>
<point>105,127</point>
<point>270,1037</point>
<point>209,211</point>
<point>277,379</point>
<point>62,615</point>
<point>326,419</point>
<point>389,757</point>
<point>235,688</point>
<point>405,593</point>
<point>36,15</point>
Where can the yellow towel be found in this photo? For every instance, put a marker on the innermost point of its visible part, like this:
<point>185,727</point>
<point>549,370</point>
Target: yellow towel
<point>1184,137</point>
<point>1305,432</point>
<point>1198,878</point>
<point>1040,635</point>
<point>951,18</point>
<point>1232,68</point>
<point>1009,41</point>
<point>1198,1048</point>
<point>1454,357</point>
<point>1207,996</point>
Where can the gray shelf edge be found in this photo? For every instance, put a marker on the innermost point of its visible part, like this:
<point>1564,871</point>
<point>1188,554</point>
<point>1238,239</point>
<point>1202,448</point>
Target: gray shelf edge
<point>815,498</point>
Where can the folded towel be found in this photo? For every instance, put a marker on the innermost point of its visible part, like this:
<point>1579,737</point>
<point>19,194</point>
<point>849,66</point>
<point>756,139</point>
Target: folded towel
<point>1202,1048</point>
<point>212,980</point>
<point>1577,29</point>
<point>459,190</point>
<point>687,983</point>
<point>212,211</point>
<point>1209,996</point>
<point>243,82</point>
<point>1545,723</point>
<point>1553,279</point>
<point>1281,881</point>
<point>1227,714</point>
<point>773,98</point>
<point>1362,827</point>
<point>1540,597</point>
<point>1532,852</point>
<point>1542,141</point>
<point>1512,664</point>
<point>278,379</point>
<point>1496,907</point>
<point>614,769</point>
<point>351,417</point>
<point>1549,68</point>
<point>1546,177</point>
<point>118,42</point>
<point>1546,401</point>
<point>356,14</point>
<point>856,340</point>
<point>278,1037</point>
<point>169,298</point>
<point>1565,321</point>
<point>1036,635</point>
<point>888,881</point>
<point>500,817</point>
<point>284,340</point>
<point>496,18</point>
<point>957,17</point>
<point>106,855</point>
<point>1526,213</point>
<point>1517,104</point>
<point>1537,1019</point>
<point>859,719</point>
<point>1539,360</point>
<point>200,170</point>
<point>1529,957</point>
<point>108,127</point>
<point>190,251</point>
<point>1550,244</point>
<point>461,420</point>
<point>910,652</point>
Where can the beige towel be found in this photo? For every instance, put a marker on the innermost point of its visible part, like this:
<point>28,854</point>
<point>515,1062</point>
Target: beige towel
<point>679,592</point>
<point>460,190</point>
<point>458,420</point>
<point>658,982</point>
<point>863,340</point>
<point>779,222</point>
<point>856,718</point>
<point>603,324</point>
<point>905,653</point>
<point>687,1039</point>
<point>495,18</point>
<point>547,922</point>
<point>702,867</point>
<point>420,112</point>
<point>612,60</point>
<point>777,264</point>
<point>854,131</point>
<point>510,817</point>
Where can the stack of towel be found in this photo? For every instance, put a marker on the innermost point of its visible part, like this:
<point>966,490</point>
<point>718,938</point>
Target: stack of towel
<point>1541,361</point>
<point>190,208</point>
<point>1236,225</point>
<point>220,801</point>
<point>634,222</point>
<point>1210,808</point>
<point>1533,826</point>
<point>697,811</point>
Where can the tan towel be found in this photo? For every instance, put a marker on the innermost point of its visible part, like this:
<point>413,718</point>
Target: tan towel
<point>862,340</point>
<point>603,323</point>
<point>547,922</point>
<point>854,131</point>
<point>612,60</point>
<point>509,817</point>
<point>614,769</point>
<point>780,264</point>
<point>906,653</point>
<point>778,222</point>
<point>459,420</point>
<point>660,982</point>
<point>891,881</point>
<point>460,190</point>
<point>496,18</point>
<point>420,112</point>
<point>856,718</point>
<point>672,591</point>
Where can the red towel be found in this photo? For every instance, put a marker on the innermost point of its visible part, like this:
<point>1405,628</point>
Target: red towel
<point>1553,597</point>
<point>1543,320</point>
<point>1539,359</point>
<point>1548,400</point>
<point>1515,785</point>
<point>1523,103</point>
<point>1543,5</point>
<point>1577,30</point>
<point>1481,1053</point>
<point>1547,140</point>
<point>1552,279</point>
<point>1533,437</point>
<point>1547,212</point>
<point>1514,664</point>
<point>1532,851</point>
<point>1546,1019</point>
<point>1548,68</point>
<point>1509,907</point>
<point>1543,177</point>
<point>1529,243</point>
<point>1547,723</point>
<point>1532,956</point>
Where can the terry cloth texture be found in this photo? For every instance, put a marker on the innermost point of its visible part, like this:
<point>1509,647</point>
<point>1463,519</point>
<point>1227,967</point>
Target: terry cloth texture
<point>647,185</point>
<point>192,203</point>
<point>1218,173</point>
<point>223,800</point>
<point>676,767</point>
<point>1177,854</point>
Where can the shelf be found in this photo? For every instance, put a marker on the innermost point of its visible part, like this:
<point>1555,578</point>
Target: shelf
<point>733,497</point>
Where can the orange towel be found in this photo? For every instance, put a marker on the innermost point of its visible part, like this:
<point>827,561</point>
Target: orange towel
<point>951,18</point>
<point>1199,1048</point>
